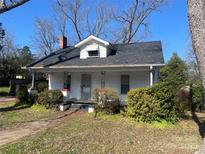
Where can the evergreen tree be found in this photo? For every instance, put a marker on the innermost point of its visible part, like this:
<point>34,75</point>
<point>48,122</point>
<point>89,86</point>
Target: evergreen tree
<point>175,72</point>
<point>25,57</point>
<point>172,77</point>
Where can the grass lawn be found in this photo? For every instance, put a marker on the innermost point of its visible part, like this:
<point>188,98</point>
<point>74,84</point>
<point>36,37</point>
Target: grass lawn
<point>110,134</point>
<point>11,115</point>
<point>4,91</point>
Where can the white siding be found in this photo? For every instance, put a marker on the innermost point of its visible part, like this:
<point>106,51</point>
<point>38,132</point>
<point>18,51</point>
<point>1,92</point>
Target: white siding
<point>93,45</point>
<point>56,80</point>
<point>137,79</point>
<point>112,80</point>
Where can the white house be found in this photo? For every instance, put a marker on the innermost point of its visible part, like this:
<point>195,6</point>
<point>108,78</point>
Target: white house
<point>93,62</point>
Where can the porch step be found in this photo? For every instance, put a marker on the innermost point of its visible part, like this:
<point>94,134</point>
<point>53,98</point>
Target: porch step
<point>83,106</point>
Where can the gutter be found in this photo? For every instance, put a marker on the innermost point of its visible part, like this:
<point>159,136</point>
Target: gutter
<point>96,66</point>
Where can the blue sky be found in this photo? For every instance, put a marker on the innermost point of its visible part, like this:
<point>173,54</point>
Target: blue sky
<point>170,24</point>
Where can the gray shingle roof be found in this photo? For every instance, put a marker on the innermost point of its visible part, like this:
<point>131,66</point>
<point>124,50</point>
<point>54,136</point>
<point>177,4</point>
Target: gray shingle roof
<point>122,54</point>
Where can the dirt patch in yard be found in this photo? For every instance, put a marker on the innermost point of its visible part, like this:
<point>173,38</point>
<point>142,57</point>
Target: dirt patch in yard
<point>3,100</point>
<point>31,128</point>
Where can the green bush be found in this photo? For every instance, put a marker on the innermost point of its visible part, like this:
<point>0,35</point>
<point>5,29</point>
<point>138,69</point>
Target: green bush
<point>50,98</point>
<point>57,97</point>
<point>153,104</point>
<point>159,101</point>
<point>22,94</point>
<point>42,86</point>
<point>43,98</point>
<point>197,95</point>
<point>171,109</point>
<point>106,101</point>
<point>142,106</point>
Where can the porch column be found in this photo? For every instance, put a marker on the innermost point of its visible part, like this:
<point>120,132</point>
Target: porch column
<point>49,81</point>
<point>151,75</point>
<point>33,81</point>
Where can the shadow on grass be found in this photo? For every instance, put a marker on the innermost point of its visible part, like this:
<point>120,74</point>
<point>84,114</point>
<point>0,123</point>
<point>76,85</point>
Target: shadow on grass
<point>200,123</point>
<point>186,96</point>
<point>17,106</point>
<point>67,114</point>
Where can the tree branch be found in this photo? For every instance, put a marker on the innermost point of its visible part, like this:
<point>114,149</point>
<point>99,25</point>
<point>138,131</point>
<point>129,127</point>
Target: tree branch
<point>73,16</point>
<point>134,17</point>
<point>13,4</point>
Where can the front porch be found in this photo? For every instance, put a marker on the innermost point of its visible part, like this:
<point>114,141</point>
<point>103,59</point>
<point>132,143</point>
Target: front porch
<point>79,84</point>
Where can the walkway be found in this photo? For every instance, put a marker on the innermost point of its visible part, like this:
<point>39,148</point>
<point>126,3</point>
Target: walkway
<point>31,128</point>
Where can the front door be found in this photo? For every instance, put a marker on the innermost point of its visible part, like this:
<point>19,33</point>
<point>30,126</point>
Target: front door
<point>85,86</point>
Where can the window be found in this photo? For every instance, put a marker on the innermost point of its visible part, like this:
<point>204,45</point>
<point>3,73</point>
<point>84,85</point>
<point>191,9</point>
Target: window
<point>93,53</point>
<point>67,81</point>
<point>125,86</point>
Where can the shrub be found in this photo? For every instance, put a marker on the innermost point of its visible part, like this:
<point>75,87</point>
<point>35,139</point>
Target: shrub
<point>154,103</point>
<point>57,97</point>
<point>197,95</point>
<point>33,98</point>
<point>171,109</point>
<point>174,73</point>
<point>22,94</point>
<point>159,101</point>
<point>43,98</point>
<point>42,86</point>
<point>106,101</point>
<point>142,106</point>
<point>50,98</point>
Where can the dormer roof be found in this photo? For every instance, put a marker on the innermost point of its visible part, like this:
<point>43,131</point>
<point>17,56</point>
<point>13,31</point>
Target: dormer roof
<point>90,38</point>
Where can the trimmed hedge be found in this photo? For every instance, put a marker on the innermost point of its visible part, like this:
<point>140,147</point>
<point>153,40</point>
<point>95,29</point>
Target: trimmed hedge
<point>50,98</point>
<point>106,101</point>
<point>153,104</point>
<point>171,109</point>
<point>142,106</point>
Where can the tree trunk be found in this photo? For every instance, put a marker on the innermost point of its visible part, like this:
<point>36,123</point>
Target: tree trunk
<point>196,14</point>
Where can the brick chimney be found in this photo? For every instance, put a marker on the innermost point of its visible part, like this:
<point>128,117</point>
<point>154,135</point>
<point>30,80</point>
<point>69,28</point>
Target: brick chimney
<point>63,42</point>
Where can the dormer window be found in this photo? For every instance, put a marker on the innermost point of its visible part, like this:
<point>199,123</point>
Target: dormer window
<point>93,53</point>
<point>92,47</point>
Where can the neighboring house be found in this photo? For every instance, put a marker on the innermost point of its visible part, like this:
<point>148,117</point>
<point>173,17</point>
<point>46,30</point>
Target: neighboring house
<point>93,62</point>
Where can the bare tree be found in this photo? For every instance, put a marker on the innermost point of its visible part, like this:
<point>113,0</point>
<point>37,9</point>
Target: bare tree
<point>45,38</point>
<point>78,15</point>
<point>8,45</point>
<point>60,18</point>
<point>6,5</point>
<point>135,17</point>
<point>192,64</point>
<point>72,10</point>
<point>131,21</point>
<point>98,27</point>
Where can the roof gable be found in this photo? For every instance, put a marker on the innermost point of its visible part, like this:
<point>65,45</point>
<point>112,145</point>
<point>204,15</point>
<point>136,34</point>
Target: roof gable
<point>90,38</point>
